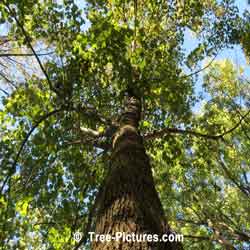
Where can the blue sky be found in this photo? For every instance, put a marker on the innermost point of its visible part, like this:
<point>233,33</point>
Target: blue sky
<point>235,54</point>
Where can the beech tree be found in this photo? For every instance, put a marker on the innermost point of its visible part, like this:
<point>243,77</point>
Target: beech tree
<point>119,116</point>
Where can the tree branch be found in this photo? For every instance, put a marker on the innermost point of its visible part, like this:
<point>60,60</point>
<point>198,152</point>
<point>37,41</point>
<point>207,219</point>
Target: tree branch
<point>81,141</point>
<point>90,132</point>
<point>237,125</point>
<point>197,223</point>
<point>8,80</point>
<point>3,40</point>
<point>5,92</point>
<point>240,187</point>
<point>91,112</point>
<point>164,131</point>
<point>13,166</point>
<point>200,70</point>
<point>27,38</point>
<point>195,72</point>
<point>26,54</point>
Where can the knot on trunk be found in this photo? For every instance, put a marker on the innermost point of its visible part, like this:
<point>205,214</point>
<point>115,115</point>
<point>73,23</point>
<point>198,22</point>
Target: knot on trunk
<point>126,136</point>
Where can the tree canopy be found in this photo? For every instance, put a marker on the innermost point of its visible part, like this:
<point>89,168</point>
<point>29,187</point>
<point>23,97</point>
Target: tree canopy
<point>65,66</point>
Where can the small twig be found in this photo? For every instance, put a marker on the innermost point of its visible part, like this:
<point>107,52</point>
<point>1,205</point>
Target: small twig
<point>5,92</point>
<point>193,73</point>
<point>200,70</point>
<point>237,125</point>
<point>8,80</point>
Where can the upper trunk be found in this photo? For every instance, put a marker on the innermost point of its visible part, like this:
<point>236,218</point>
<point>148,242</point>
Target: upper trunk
<point>130,202</point>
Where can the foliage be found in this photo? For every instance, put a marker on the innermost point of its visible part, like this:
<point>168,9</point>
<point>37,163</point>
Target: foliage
<point>50,177</point>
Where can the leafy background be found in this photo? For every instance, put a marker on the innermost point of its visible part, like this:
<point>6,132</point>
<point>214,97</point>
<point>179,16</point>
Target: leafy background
<point>64,67</point>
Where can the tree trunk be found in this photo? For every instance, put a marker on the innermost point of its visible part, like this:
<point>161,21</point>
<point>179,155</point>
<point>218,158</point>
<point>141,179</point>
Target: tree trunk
<point>130,202</point>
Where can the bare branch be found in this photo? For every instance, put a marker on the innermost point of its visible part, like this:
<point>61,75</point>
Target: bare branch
<point>8,80</point>
<point>5,92</point>
<point>26,54</point>
<point>27,38</point>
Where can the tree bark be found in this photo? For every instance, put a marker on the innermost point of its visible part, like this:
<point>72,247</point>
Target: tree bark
<point>130,202</point>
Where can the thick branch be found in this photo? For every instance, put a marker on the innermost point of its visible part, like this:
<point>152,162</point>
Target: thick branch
<point>84,141</point>
<point>164,131</point>
<point>93,137</point>
<point>90,132</point>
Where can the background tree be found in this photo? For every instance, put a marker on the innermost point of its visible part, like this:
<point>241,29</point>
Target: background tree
<point>67,67</point>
